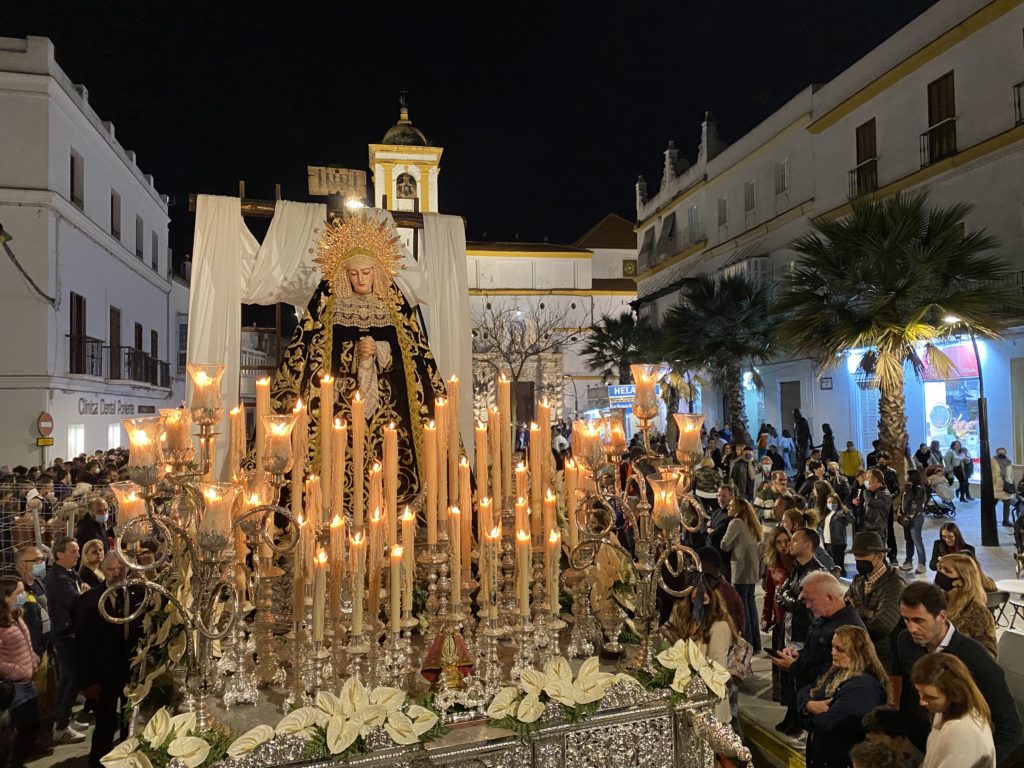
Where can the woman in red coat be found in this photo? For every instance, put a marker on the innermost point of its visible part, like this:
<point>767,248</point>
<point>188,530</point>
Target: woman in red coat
<point>777,564</point>
<point>18,663</point>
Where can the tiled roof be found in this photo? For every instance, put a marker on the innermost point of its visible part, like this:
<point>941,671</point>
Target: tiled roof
<point>612,231</point>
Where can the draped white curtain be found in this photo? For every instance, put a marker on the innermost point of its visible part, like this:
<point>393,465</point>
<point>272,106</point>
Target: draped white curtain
<point>230,268</point>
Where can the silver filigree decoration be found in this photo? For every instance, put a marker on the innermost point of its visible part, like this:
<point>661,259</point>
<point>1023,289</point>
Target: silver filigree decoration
<point>721,738</point>
<point>623,695</point>
<point>641,744</point>
<point>548,755</point>
<point>277,751</point>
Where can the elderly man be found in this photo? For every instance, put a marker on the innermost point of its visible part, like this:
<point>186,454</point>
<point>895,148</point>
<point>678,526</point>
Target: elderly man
<point>717,524</point>
<point>109,647</point>
<point>923,608</point>
<point>94,524</point>
<point>30,566</point>
<point>63,587</point>
<point>875,594</point>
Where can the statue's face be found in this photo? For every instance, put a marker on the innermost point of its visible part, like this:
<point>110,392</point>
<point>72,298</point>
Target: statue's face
<point>361,278</point>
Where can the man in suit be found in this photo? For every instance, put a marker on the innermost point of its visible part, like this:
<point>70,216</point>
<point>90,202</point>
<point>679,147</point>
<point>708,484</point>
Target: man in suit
<point>923,608</point>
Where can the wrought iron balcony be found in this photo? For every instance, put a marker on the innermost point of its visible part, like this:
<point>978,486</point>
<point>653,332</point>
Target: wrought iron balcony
<point>128,364</point>
<point>864,177</point>
<point>86,355</point>
<point>938,142</point>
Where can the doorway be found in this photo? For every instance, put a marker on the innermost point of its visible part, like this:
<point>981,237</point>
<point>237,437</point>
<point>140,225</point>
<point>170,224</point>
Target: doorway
<point>789,398</point>
<point>524,402</point>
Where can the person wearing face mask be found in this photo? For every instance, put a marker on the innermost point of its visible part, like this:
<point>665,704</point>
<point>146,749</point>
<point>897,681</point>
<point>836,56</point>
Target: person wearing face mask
<point>93,525</point>
<point>877,504</point>
<point>959,576</point>
<point>18,663</point>
<point>875,593</point>
<point>834,530</point>
<point>1003,487</point>
<point>30,565</point>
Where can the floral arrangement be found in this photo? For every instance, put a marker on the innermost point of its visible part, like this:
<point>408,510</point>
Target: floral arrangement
<point>519,708</point>
<point>613,580</point>
<point>676,666</point>
<point>336,726</point>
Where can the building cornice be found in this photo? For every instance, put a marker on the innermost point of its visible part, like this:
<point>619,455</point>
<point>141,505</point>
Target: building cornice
<point>679,256</point>
<point>545,292</point>
<point>83,384</point>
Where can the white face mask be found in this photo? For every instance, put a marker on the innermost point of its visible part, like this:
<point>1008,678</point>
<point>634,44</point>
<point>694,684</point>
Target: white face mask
<point>833,507</point>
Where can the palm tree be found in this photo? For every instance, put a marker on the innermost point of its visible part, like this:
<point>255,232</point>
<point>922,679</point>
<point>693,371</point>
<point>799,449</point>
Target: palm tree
<point>722,325</point>
<point>615,343</point>
<point>884,278</point>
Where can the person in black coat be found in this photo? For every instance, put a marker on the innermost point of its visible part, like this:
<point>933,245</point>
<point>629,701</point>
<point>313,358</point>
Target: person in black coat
<point>950,542</point>
<point>923,608</point>
<point>833,708</point>
<point>109,648</point>
<point>94,524</point>
<point>63,586</point>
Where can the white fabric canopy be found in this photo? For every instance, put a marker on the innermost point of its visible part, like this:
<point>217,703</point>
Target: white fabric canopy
<point>230,268</point>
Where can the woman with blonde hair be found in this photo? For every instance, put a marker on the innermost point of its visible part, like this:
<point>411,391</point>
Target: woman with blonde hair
<point>959,576</point>
<point>92,556</point>
<point>743,540</point>
<point>834,706</point>
<point>777,565</point>
<point>961,720</point>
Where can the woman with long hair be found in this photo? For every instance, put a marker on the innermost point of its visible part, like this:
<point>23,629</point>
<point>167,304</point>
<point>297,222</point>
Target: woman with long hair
<point>961,719</point>
<point>18,663</point>
<point>911,516</point>
<point>834,524</point>
<point>956,460</point>
<point>743,540</point>
<point>777,565</point>
<point>834,706</point>
<point>703,618</point>
<point>959,576</point>
<point>950,542</point>
<point>92,556</point>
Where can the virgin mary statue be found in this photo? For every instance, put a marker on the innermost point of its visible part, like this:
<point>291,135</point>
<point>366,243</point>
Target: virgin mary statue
<point>360,328</point>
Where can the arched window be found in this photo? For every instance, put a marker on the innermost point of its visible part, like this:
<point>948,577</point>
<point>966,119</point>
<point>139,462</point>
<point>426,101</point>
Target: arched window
<point>406,186</point>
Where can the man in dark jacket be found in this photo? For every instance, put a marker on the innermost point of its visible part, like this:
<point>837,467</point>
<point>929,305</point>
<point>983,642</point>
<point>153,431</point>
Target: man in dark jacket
<point>63,586</point>
<point>875,594</point>
<point>93,525</point>
<point>718,523</point>
<point>109,648</point>
<point>877,504</point>
<point>743,474</point>
<point>30,566</point>
<point>923,608</point>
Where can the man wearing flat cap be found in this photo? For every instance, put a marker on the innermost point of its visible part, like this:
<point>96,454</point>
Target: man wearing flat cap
<point>875,594</point>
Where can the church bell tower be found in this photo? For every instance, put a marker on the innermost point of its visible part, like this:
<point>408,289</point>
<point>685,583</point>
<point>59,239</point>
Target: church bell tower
<point>405,167</point>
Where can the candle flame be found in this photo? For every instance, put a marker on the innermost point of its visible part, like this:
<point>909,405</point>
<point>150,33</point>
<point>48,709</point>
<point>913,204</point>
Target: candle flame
<point>554,536</point>
<point>520,467</point>
<point>235,411</point>
<point>397,552</point>
<point>336,521</point>
<point>358,396</point>
<point>522,536</point>
<point>321,559</point>
<point>139,438</point>
<point>485,501</point>
<point>131,497</point>
<point>408,516</point>
<point>440,402</point>
<point>480,425</point>
<point>544,402</point>
<point>254,500</point>
<point>376,517</point>
<point>454,378</point>
<point>174,417</point>
<point>298,406</point>
<point>455,511</point>
<point>211,494</point>
<point>201,379</point>
<point>534,426</point>
<point>520,502</point>
<point>302,520</point>
<point>375,468</point>
<point>549,495</point>
<point>495,532</point>
<point>493,409</point>
<point>264,382</point>
<point>570,464</point>
<point>357,540</point>
<point>431,425</point>
<point>278,429</point>
<point>391,426</point>
<point>339,424</point>
<point>503,378</point>
<point>464,462</point>
<point>327,379</point>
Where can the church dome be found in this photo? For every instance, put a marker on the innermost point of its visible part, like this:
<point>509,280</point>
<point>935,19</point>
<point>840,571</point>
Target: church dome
<point>404,133</point>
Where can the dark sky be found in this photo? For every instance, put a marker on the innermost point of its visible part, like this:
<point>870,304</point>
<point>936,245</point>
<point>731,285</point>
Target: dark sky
<point>547,111</point>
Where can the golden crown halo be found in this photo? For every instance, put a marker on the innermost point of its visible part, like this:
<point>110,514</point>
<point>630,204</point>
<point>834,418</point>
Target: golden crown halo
<point>341,239</point>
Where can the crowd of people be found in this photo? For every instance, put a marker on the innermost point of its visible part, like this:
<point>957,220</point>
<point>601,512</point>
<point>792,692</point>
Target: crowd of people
<point>61,662</point>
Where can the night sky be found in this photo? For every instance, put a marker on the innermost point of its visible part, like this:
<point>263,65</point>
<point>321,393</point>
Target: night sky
<point>547,111</point>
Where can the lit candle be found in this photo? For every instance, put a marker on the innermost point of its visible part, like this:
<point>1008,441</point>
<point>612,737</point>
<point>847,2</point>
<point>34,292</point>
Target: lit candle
<point>337,544</point>
<point>522,514</point>
<point>358,465</point>
<point>430,460</point>
<point>441,435</point>
<point>299,572</point>
<point>327,441</point>
<point>395,615</point>
<point>523,565</point>
<point>454,438</point>
<point>455,542</point>
<point>645,403</point>
<point>262,410</point>
<point>375,500</point>
<point>300,439</point>
<point>493,542</point>
<point>554,552</point>
<point>177,427</point>
<point>571,483</point>
<point>494,432</point>
<point>376,562</point>
<point>206,402</point>
<point>505,409</point>
<point>544,422</point>
<point>339,450</point>
<point>218,499</point>
<point>145,441</point>
<point>408,548</point>
<point>236,438</point>
<point>466,503</point>
<point>536,470</point>
<point>357,548</point>
<point>277,451</point>
<point>319,594</point>
<point>522,481</point>
<point>481,459</point>
<point>314,505</point>
<point>484,522</point>
<point>550,515</point>
<point>130,503</point>
<point>391,481</point>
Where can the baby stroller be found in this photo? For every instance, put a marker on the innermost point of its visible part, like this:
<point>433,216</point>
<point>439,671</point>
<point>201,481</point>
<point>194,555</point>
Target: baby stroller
<point>940,494</point>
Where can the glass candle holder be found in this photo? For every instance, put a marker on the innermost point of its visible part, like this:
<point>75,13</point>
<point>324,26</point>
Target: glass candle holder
<point>665,513</point>
<point>688,446</point>
<point>256,489</point>
<point>130,503</point>
<point>215,518</point>
<point>207,409</point>
<point>178,429</point>
<point>645,401</point>
<point>614,434</point>
<point>145,440</point>
<point>277,445</point>
<point>586,436</point>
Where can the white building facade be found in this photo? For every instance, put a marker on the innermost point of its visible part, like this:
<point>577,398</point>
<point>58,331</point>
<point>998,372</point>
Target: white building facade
<point>938,106</point>
<point>90,311</point>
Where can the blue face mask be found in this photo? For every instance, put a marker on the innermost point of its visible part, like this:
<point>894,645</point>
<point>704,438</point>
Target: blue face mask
<point>101,518</point>
<point>39,570</point>
<point>20,600</point>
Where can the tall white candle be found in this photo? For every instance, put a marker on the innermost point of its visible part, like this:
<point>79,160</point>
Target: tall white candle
<point>481,463</point>
<point>319,594</point>
<point>571,484</point>
<point>455,542</point>
<point>358,464</point>
<point>505,408</point>
<point>441,435</point>
<point>408,548</point>
<point>523,566</point>
<point>339,451</point>
<point>327,441</point>
<point>466,504</point>
<point>497,453</point>
<point>357,546</point>
<point>391,481</point>
<point>454,441</point>
<point>262,409</point>
<point>554,551</point>
<point>430,462</point>
<point>336,542</point>
<point>395,594</point>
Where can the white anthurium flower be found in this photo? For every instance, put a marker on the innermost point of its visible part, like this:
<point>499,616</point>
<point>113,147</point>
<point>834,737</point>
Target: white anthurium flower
<point>369,717</point>
<point>329,704</point>
<point>697,658</point>
<point>503,704</point>
<point>158,728</point>
<point>561,691</point>
<point>675,657</point>
<point>126,755</point>
<point>532,681</point>
<point>191,750</point>
<point>680,679</point>
<point>716,677</point>
<point>558,669</point>
<point>353,697</point>
<point>300,722</point>
<point>400,729</point>
<point>391,699</point>
<point>341,733</point>
<point>530,709</point>
<point>422,718</point>
<point>183,724</point>
<point>138,694</point>
<point>249,740</point>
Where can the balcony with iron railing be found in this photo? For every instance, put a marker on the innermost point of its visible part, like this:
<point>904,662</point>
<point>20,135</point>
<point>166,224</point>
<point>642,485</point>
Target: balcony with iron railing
<point>864,177</point>
<point>938,142</point>
<point>129,364</point>
<point>85,355</point>
<point>1018,103</point>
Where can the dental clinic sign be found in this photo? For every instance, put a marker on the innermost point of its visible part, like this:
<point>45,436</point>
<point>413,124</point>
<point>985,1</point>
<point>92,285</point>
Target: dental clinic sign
<point>102,407</point>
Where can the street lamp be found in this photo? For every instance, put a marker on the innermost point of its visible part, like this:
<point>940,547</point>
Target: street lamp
<point>989,531</point>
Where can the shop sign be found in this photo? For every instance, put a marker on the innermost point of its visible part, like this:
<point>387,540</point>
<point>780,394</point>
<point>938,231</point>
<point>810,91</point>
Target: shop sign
<point>44,442</point>
<point>103,407</point>
<point>962,355</point>
<point>621,395</point>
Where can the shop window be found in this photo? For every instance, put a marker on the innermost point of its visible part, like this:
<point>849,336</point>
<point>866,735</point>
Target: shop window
<point>113,435</point>
<point>76,440</point>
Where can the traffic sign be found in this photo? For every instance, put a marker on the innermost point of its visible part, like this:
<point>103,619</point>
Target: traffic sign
<point>44,442</point>
<point>45,425</point>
